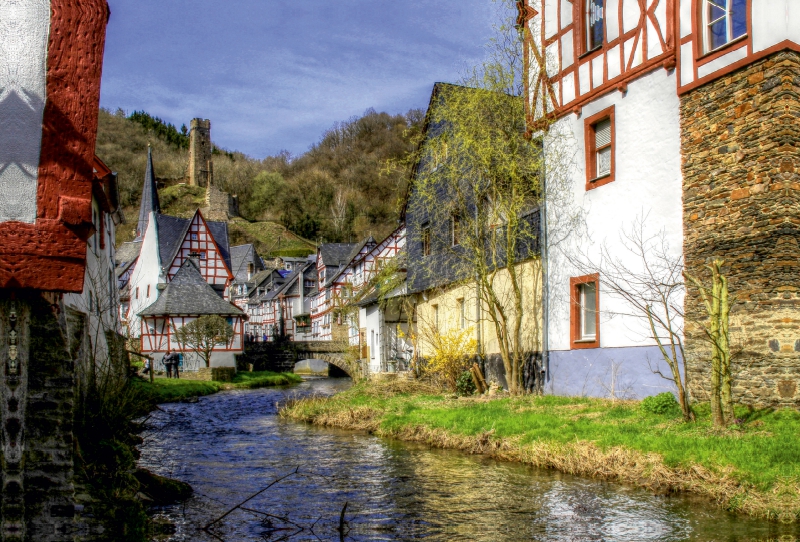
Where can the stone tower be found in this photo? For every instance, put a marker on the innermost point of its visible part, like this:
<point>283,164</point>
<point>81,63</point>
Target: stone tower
<point>200,153</point>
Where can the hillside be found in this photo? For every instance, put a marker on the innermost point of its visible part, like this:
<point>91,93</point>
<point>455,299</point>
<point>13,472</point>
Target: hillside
<point>337,191</point>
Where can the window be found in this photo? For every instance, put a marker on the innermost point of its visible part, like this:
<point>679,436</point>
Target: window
<point>202,254</point>
<point>148,291</point>
<point>426,239</point>
<point>462,316</point>
<point>436,316</point>
<point>723,21</point>
<point>194,237</point>
<point>600,142</point>
<point>584,313</point>
<point>455,230</point>
<point>251,267</point>
<point>137,292</point>
<point>595,18</point>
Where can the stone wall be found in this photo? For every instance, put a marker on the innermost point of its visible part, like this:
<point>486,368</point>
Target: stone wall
<point>219,205</point>
<point>741,192</point>
<point>38,348</point>
<point>199,152</point>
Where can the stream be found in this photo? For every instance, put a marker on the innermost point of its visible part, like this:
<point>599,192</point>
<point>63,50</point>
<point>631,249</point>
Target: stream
<point>231,445</point>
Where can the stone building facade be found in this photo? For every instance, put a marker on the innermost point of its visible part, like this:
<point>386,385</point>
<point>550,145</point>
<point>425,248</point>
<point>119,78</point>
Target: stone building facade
<point>741,193</point>
<point>200,173</point>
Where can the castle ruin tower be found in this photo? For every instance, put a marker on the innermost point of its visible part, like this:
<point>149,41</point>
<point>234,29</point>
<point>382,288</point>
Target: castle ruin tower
<point>200,153</point>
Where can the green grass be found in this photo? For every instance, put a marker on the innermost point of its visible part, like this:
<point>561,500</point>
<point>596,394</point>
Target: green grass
<point>270,238</point>
<point>764,449</point>
<point>166,390</point>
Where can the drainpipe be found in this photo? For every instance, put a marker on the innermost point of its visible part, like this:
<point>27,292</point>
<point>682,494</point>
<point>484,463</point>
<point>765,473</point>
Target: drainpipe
<point>478,322</point>
<point>545,286</point>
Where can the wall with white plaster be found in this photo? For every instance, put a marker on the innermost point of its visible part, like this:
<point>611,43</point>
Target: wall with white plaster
<point>647,183</point>
<point>147,272</point>
<point>24,33</point>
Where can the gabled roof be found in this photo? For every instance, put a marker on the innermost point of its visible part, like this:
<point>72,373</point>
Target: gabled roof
<point>335,254</point>
<point>350,257</point>
<point>149,201</point>
<point>241,256</point>
<point>188,293</point>
<point>172,231</point>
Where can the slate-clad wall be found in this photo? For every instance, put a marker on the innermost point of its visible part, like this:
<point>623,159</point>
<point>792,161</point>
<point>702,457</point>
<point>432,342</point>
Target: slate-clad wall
<point>741,192</point>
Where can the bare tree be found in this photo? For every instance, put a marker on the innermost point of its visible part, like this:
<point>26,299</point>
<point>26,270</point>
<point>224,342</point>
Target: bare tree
<point>647,274</point>
<point>716,331</point>
<point>204,334</point>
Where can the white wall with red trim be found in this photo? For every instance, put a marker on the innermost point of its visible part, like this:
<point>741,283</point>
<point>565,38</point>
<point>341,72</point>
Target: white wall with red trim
<point>647,183</point>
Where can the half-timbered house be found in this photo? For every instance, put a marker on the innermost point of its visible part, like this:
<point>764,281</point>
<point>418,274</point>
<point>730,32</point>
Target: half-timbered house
<point>331,258</point>
<point>186,297</point>
<point>671,116</point>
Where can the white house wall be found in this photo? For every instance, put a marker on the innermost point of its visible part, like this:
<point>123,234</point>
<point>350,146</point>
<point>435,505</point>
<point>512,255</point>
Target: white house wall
<point>647,184</point>
<point>146,274</point>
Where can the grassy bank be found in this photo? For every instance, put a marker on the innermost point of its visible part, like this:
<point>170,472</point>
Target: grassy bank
<point>753,467</point>
<point>165,390</point>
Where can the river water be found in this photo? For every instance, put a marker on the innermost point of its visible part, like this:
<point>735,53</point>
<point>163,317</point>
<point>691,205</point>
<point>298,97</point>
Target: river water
<point>231,445</point>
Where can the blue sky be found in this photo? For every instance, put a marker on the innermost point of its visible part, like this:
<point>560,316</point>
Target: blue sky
<point>274,74</point>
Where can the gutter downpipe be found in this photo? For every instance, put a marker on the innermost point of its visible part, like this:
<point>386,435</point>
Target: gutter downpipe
<point>545,284</point>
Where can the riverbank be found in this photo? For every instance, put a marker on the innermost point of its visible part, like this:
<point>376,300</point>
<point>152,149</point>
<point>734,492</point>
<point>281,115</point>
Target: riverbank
<point>167,390</point>
<point>752,468</point>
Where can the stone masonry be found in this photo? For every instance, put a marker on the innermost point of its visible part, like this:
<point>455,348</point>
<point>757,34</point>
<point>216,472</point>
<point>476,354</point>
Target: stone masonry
<point>199,152</point>
<point>37,396</point>
<point>741,191</point>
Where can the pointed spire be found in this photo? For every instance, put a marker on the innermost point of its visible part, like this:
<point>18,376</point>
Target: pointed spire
<point>149,196</point>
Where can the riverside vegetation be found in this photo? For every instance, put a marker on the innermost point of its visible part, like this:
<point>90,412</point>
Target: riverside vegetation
<point>752,467</point>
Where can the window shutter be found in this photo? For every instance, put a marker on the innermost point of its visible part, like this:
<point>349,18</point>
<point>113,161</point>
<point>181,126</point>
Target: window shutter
<point>602,133</point>
<point>602,138</point>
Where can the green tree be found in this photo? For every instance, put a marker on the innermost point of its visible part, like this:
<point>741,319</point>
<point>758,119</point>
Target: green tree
<point>204,334</point>
<point>267,188</point>
<point>478,186</point>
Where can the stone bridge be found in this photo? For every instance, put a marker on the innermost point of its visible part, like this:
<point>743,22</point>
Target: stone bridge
<point>282,356</point>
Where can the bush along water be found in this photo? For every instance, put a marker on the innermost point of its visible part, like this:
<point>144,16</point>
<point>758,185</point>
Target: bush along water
<point>465,385</point>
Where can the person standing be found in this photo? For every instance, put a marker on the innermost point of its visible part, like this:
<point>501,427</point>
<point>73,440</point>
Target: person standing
<point>167,361</point>
<point>176,361</point>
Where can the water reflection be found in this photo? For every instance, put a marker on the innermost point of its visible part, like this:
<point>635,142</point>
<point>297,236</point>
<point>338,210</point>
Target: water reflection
<point>231,445</point>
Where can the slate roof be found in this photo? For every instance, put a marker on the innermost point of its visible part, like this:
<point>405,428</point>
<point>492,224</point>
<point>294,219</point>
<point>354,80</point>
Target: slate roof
<point>350,257</point>
<point>127,252</point>
<point>149,197</point>
<point>335,254</point>
<point>242,255</point>
<point>190,294</point>
<point>172,231</point>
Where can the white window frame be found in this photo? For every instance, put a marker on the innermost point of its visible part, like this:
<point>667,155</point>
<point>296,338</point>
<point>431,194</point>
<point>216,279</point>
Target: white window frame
<point>585,313</point>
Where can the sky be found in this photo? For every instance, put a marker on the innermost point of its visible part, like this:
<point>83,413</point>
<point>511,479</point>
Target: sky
<point>273,75</point>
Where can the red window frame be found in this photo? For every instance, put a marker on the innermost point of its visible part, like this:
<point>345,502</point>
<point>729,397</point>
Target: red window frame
<point>592,181</point>
<point>575,340</point>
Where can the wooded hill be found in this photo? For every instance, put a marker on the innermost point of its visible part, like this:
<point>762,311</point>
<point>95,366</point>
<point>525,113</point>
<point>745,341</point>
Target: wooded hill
<point>339,190</point>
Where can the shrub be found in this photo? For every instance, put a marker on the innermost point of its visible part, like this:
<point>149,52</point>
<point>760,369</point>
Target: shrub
<point>465,385</point>
<point>452,354</point>
<point>663,403</point>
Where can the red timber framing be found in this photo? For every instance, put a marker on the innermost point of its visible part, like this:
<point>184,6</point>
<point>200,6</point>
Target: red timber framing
<point>50,254</point>
<point>158,334</point>
<point>198,239</point>
<point>638,37</point>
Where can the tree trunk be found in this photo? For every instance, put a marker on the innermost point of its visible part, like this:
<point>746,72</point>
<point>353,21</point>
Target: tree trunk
<point>725,352</point>
<point>716,363</point>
